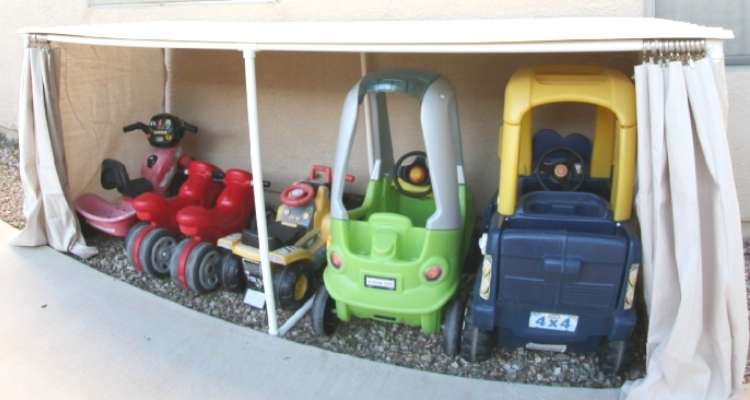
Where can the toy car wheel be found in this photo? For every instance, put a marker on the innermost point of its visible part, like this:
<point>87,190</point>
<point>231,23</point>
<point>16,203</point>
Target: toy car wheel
<point>86,229</point>
<point>614,356</point>
<point>156,251</point>
<point>130,240</point>
<point>454,315</point>
<point>293,285</point>
<point>323,313</point>
<point>476,345</point>
<point>202,268</point>
<point>232,273</point>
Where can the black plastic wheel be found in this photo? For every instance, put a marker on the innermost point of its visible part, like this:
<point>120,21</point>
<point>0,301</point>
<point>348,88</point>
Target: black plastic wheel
<point>476,345</point>
<point>323,313</point>
<point>174,261</point>
<point>130,240</point>
<point>614,356</point>
<point>86,229</point>
<point>156,251</point>
<point>473,259</point>
<point>202,268</point>
<point>293,284</point>
<point>232,273</point>
<point>452,321</point>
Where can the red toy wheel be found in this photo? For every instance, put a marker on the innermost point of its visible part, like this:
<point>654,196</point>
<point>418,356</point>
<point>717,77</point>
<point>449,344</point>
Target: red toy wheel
<point>297,194</point>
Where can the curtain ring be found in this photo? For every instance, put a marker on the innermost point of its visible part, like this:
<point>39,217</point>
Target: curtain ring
<point>661,52</point>
<point>690,45</point>
<point>652,51</point>
<point>685,51</point>
<point>695,50</point>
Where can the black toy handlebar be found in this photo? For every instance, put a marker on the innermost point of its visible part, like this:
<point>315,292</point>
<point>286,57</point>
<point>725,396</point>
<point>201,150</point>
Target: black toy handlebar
<point>189,127</point>
<point>137,126</point>
<point>218,176</point>
<point>163,130</point>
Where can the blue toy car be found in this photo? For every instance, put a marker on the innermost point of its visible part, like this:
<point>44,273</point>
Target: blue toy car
<point>561,263</point>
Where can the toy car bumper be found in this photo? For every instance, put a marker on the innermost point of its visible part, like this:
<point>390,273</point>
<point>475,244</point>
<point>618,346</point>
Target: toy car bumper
<point>513,329</point>
<point>406,306</point>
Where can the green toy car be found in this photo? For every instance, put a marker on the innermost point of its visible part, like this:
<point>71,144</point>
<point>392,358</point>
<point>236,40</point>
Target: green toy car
<point>399,256</point>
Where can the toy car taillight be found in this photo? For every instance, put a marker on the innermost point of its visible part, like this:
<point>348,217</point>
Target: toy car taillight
<point>433,273</point>
<point>335,260</point>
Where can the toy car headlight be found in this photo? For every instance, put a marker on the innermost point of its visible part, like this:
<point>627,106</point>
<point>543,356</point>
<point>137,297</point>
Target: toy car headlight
<point>486,279</point>
<point>630,290</point>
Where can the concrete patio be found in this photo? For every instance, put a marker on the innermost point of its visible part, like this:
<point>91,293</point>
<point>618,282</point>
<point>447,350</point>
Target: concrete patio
<point>67,331</point>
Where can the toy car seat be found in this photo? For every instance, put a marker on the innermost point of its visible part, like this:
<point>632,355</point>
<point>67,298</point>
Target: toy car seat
<point>195,261</point>
<point>149,243</point>
<point>200,189</point>
<point>115,176</point>
<point>278,234</point>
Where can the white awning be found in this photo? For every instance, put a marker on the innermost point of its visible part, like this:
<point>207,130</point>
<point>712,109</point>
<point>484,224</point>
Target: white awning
<point>428,36</point>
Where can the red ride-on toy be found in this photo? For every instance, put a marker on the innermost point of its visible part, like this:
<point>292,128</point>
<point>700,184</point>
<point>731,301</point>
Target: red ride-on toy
<point>159,173</point>
<point>195,262</point>
<point>149,244</point>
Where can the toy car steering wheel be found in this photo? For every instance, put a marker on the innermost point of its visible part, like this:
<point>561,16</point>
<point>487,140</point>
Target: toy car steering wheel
<point>297,194</point>
<point>560,169</point>
<point>412,180</point>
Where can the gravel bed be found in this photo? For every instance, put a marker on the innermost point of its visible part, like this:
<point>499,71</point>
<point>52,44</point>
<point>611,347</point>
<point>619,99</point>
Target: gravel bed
<point>11,194</point>
<point>390,343</point>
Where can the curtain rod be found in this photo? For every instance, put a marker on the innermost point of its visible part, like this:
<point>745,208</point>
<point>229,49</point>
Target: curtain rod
<point>713,48</point>
<point>577,46</point>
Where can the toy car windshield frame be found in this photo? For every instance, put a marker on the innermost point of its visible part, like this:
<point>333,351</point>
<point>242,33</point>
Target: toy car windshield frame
<point>440,131</point>
<point>614,148</point>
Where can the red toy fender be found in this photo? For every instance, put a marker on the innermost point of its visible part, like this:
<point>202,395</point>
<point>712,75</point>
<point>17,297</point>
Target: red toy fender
<point>198,189</point>
<point>231,213</point>
<point>137,246</point>
<point>181,275</point>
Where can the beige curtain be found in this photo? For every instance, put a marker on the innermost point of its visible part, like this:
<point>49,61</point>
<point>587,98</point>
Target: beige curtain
<point>49,216</point>
<point>693,268</point>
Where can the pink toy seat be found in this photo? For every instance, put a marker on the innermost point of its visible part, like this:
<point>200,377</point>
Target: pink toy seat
<point>231,213</point>
<point>199,189</point>
<point>112,218</point>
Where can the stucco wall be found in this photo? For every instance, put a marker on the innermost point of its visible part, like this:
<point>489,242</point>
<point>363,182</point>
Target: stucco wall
<point>16,14</point>
<point>738,82</point>
<point>301,95</point>
<point>477,114</point>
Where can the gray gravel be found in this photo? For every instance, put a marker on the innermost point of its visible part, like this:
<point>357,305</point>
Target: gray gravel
<point>11,195</point>
<point>395,344</point>
<point>747,291</point>
<point>390,343</point>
